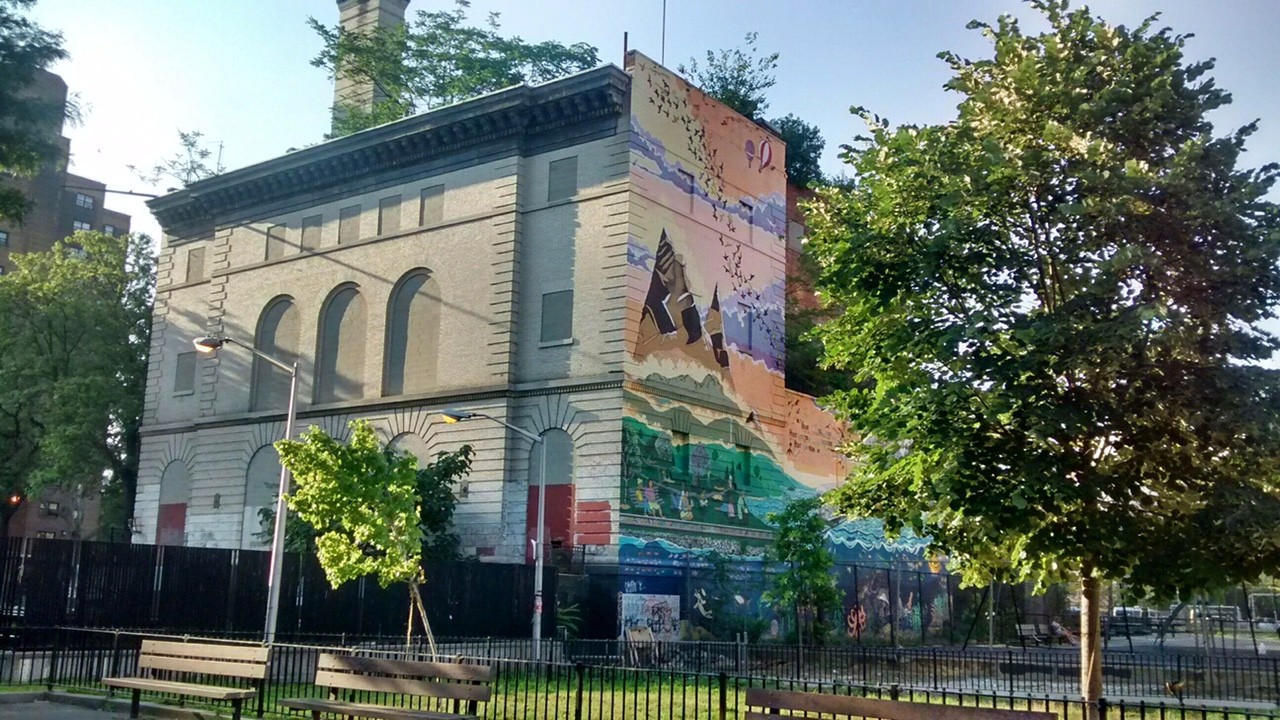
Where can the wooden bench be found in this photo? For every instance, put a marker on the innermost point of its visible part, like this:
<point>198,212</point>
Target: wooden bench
<point>160,662</point>
<point>1031,631</point>
<point>461,687</point>
<point>769,704</point>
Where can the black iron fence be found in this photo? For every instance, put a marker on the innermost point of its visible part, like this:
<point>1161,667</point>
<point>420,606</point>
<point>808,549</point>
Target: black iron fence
<point>76,660</point>
<point>46,583</point>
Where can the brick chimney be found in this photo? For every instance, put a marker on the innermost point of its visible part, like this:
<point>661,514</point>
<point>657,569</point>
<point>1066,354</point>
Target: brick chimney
<point>363,16</point>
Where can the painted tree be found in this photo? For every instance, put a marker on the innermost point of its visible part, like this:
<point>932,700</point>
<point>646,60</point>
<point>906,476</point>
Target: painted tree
<point>806,588</point>
<point>75,329</point>
<point>1049,311</point>
<point>365,503</point>
<point>30,123</point>
<point>435,60</point>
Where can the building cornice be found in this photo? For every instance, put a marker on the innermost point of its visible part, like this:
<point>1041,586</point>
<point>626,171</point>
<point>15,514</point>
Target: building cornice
<point>515,115</point>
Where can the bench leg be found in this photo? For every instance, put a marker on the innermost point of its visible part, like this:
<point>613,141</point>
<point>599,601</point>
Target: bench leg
<point>135,703</point>
<point>235,708</point>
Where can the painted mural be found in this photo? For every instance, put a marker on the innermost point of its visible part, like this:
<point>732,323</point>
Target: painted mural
<point>712,440</point>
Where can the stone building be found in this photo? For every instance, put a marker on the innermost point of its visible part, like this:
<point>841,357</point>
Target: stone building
<point>600,260</point>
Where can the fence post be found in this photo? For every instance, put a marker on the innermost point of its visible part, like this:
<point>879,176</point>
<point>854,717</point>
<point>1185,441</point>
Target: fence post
<point>893,691</point>
<point>1102,709</point>
<point>54,654</point>
<point>1009,665</point>
<point>724,699</point>
<point>579,669</point>
<point>115,654</point>
<point>1275,678</point>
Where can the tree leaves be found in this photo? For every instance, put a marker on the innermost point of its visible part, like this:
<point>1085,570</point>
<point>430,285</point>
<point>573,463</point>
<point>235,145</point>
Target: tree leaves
<point>75,329</point>
<point>437,60</point>
<point>1046,307</point>
<point>372,509</point>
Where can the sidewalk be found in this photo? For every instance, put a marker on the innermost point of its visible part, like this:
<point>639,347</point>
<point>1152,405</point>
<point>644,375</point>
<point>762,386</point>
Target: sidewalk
<point>45,710</point>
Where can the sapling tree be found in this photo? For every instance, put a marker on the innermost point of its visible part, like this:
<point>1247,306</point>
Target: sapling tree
<point>364,502</point>
<point>806,588</point>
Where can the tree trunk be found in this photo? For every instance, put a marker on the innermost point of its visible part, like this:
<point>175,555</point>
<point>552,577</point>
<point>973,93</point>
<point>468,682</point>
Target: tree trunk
<point>1090,642</point>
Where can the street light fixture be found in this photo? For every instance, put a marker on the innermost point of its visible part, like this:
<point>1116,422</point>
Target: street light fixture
<point>453,416</point>
<point>209,345</point>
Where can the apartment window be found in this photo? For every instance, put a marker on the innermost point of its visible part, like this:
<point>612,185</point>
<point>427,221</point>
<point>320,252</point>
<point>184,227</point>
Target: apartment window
<point>84,201</point>
<point>277,242</point>
<point>431,206</point>
<point>109,229</point>
<point>1,269</point>
<point>4,238</point>
<point>557,316</point>
<point>184,374</point>
<point>195,264</point>
<point>44,534</point>
<point>744,464</point>
<point>749,213</point>
<point>311,232</point>
<point>51,507</point>
<point>680,447</point>
<point>562,179</point>
<point>389,215</point>
<point>349,224</point>
<point>78,225</point>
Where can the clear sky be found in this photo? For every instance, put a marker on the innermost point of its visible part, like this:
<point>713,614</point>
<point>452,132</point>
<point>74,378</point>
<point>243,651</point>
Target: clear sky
<point>239,70</point>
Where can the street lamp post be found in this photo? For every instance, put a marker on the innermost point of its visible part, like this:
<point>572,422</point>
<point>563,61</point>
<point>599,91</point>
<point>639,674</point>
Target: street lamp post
<point>453,416</point>
<point>274,578</point>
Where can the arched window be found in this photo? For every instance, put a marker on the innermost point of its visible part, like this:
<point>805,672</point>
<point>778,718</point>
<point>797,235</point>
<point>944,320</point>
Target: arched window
<point>175,494</point>
<point>413,335</point>
<point>559,488</point>
<point>340,355</point>
<point>277,336</point>
<point>261,483</point>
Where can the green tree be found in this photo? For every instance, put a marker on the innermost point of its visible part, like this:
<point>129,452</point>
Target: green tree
<point>436,60</point>
<point>736,77</point>
<point>75,329</point>
<point>804,150</point>
<point>806,587</point>
<point>190,163</point>
<point>1049,312</point>
<point>28,124</point>
<point>365,503</point>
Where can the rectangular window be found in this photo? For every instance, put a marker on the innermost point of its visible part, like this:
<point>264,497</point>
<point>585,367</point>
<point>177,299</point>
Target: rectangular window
<point>311,232</point>
<point>389,215</point>
<point>680,447</point>
<point>748,323</point>
<point>184,374</point>
<point>51,507</point>
<point>277,242</point>
<point>1,269</point>
<point>744,465</point>
<point>84,201</point>
<point>109,229</point>
<point>195,264</point>
<point>44,534</point>
<point>431,206</point>
<point>348,224</point>
<point>78,226</point>
<point>562,179</point>
<point>749,214</point>
<point>4,238</point>
<point>689,184</point>
<point>557,316</point>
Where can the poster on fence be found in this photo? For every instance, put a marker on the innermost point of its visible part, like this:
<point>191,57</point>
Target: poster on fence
<point>659,613</point>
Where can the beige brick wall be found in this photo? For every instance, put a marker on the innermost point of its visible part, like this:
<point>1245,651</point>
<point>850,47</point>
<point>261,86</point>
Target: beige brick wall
<point>485,257</point>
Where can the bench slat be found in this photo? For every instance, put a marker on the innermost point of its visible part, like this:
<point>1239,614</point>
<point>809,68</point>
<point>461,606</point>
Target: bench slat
<point>884,709</point>
<point>253,671</point>
<point>180,688</point>
<point>369,711</point>
<point>242,653</point>
<point>405,668</point>
<point>403,686</point>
